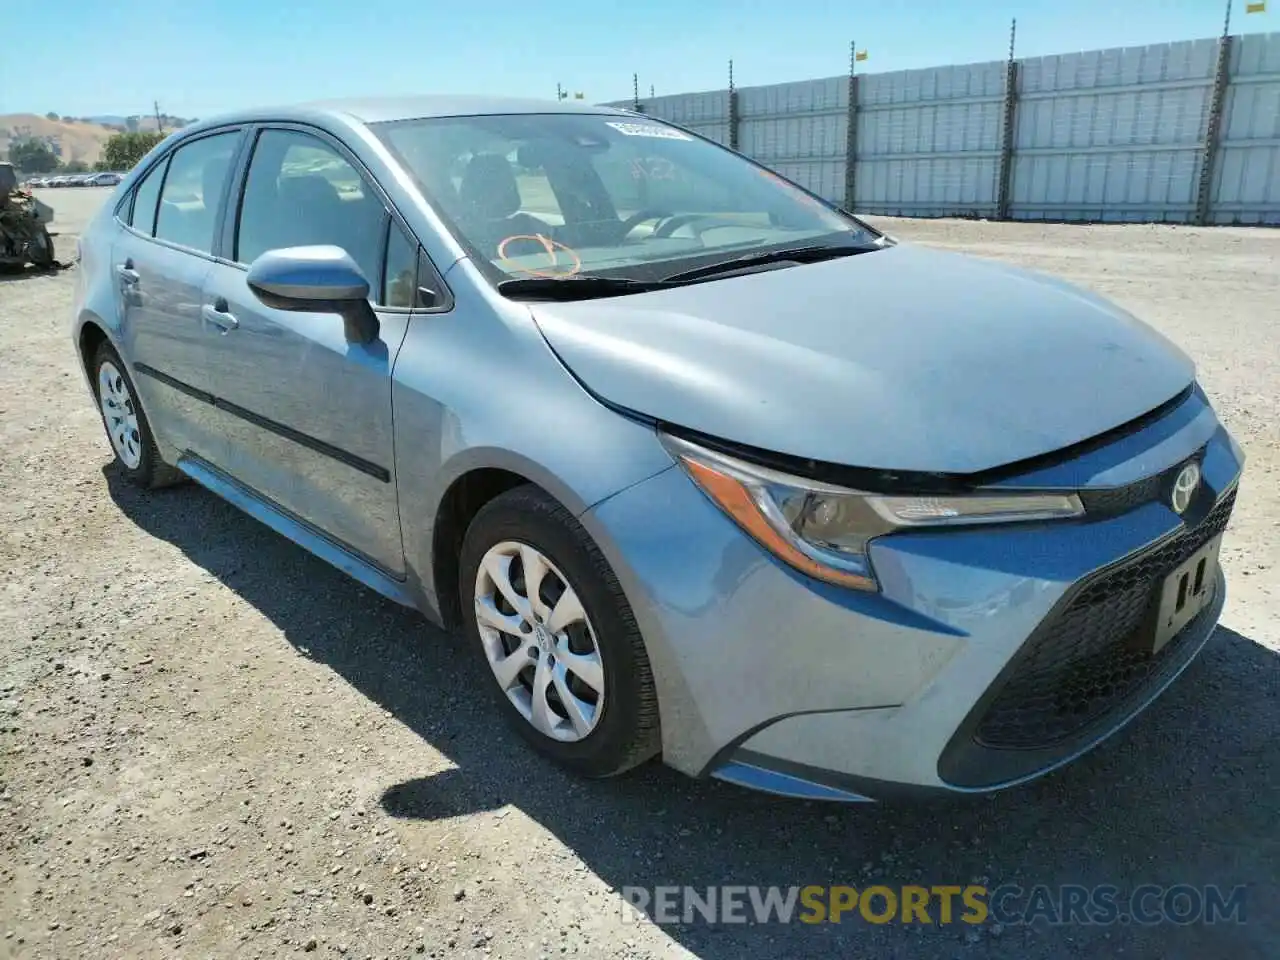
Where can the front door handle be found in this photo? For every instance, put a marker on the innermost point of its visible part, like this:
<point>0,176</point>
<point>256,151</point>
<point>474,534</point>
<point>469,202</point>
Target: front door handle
<point>126,273</point>
<point>217,314</point>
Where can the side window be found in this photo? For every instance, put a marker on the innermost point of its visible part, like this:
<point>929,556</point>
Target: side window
<point>189,202</point>
<point>145,197</point>
<point>400,281</point>
<point>300,191</point>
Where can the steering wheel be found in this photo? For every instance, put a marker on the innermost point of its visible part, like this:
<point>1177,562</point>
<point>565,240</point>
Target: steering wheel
<point>639,217</point>
<point>675,223</point>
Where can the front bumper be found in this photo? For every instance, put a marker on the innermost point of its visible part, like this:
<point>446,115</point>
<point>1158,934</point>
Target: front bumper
<point>990,656</point>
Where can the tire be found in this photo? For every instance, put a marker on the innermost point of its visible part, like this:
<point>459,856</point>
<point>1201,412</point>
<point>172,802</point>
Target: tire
<point>136,454</point>
<point>625,730</point>
<point>40,250</point>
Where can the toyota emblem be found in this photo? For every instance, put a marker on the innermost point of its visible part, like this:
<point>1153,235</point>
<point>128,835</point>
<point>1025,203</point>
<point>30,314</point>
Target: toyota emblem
<point>1184,488</point>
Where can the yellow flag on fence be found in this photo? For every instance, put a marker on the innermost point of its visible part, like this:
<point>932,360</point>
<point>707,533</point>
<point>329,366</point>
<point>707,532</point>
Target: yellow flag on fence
<point>1258,6</point>
<point>860,55</point>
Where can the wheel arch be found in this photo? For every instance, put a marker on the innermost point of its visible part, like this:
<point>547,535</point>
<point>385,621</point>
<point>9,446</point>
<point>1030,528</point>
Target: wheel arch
<point>462,500</point>
<point>90,334</point>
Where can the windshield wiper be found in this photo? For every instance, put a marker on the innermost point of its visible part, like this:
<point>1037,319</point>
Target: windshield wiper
<point>809,254</point>
<point>576,287</point>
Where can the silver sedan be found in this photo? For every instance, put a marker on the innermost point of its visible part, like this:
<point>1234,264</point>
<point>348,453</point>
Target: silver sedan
<point>704,466</point>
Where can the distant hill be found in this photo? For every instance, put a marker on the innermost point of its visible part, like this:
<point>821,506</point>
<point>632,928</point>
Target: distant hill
<point>144,122</point>
<point>71,141</point>
<point>78,139</point>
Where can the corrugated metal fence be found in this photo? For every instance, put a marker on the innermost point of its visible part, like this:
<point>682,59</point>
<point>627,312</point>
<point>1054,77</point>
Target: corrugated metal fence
<point>1182,132</point>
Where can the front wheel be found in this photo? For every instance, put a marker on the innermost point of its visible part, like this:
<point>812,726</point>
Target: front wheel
<point>547,616</point>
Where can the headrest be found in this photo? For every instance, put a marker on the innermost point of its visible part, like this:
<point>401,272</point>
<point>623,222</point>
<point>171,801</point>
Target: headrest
<point>489,186</point>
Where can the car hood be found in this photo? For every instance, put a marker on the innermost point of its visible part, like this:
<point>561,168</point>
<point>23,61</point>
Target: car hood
<point>905,358</point>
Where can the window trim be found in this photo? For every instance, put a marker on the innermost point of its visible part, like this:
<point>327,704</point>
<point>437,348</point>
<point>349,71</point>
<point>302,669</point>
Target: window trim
<point>421,258</point>
<point>132,198</point>
<point>164,158</point>
<point>235,204</point>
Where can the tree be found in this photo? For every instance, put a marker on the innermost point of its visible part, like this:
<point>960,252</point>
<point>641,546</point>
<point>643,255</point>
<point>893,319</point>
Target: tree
<point>124,150</point>
<point>32,156</point>
<point>76,166</point>
<point>51,115</point>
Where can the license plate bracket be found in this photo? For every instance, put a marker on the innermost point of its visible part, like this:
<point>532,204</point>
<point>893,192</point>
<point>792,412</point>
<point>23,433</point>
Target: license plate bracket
<point>1184,593</point>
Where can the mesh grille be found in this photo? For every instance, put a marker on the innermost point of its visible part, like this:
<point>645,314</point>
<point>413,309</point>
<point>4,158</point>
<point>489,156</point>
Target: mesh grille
<point>1085,663</point>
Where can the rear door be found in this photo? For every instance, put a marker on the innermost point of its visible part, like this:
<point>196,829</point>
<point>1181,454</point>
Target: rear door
<point>313,427</point>
<point>160,261</point>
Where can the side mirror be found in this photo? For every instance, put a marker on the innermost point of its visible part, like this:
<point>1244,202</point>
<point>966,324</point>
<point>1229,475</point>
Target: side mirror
<point>318,279</point>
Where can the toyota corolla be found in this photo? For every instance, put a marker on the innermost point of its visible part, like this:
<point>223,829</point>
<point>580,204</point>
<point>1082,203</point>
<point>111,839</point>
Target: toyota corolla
<point>705,467</point>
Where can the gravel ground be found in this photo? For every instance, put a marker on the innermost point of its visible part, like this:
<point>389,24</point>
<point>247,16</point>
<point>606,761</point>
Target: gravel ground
<point>212,744</point>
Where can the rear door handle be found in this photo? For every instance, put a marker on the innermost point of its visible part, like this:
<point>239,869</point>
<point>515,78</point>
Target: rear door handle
<point>217,314</point>
<point>126,273</point>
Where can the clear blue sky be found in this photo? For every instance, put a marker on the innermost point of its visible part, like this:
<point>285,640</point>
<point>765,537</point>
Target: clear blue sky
<point>199,57</point>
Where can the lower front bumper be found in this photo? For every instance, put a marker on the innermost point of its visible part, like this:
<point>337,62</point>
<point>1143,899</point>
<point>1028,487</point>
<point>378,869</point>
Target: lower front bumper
<point>966,765</point>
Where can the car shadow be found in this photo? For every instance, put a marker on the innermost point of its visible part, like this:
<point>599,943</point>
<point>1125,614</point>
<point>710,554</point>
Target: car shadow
<point>1186,795</point>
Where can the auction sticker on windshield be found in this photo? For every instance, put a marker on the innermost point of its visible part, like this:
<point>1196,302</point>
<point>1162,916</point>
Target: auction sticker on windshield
<point>648,130</point>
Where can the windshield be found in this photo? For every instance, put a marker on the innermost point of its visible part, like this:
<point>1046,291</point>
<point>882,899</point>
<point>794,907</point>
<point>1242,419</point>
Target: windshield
<point>562,195</point>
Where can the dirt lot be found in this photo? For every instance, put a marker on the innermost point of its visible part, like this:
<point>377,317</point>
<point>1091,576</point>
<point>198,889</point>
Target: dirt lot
<point>213,745</point>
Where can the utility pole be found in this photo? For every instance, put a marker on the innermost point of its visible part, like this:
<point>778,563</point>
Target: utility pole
<point>159,124</point>
<point>635,91</point>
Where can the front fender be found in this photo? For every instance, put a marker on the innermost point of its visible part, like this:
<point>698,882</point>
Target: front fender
<point>478,389</point>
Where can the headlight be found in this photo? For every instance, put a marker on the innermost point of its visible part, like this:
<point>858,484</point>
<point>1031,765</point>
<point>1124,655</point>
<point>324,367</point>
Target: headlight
<point>823,530</point>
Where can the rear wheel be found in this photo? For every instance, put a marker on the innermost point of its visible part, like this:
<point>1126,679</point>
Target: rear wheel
<point>126,424</point>
<point>554,630</point>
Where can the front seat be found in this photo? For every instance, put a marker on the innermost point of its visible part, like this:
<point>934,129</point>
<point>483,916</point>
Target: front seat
<point>490,199</point>
<point>310,210</point>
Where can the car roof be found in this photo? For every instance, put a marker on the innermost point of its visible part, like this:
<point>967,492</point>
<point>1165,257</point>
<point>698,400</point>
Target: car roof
<point>381,109</point>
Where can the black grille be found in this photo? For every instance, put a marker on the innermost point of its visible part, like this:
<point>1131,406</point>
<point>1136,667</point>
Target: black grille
<point>1123,499</point>
<point>1086,662</point>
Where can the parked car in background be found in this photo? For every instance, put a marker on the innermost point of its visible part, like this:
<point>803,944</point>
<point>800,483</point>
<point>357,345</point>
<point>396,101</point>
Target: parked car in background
<point>105,179</point>
<point>703,465</point>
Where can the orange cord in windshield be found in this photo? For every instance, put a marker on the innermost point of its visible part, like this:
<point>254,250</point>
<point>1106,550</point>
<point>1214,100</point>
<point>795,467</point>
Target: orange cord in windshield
<point>555,268</point>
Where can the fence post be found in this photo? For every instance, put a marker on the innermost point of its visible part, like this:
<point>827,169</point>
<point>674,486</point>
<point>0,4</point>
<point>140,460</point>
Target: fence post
<point>1213,130</point>
<point>733,111</point>
<point>1004,175</point>
<point>851,136</point>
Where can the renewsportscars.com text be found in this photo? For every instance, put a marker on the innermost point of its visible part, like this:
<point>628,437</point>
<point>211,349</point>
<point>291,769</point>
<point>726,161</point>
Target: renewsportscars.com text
<point>941,904</point>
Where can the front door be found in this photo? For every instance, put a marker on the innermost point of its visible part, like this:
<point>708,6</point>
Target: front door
<point>160,261</point>
<point>311,425</point>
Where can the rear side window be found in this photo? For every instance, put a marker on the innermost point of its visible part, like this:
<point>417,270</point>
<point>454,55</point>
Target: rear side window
<point>301,191</point>
<point>192,190</point>
<point>145,197</point>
